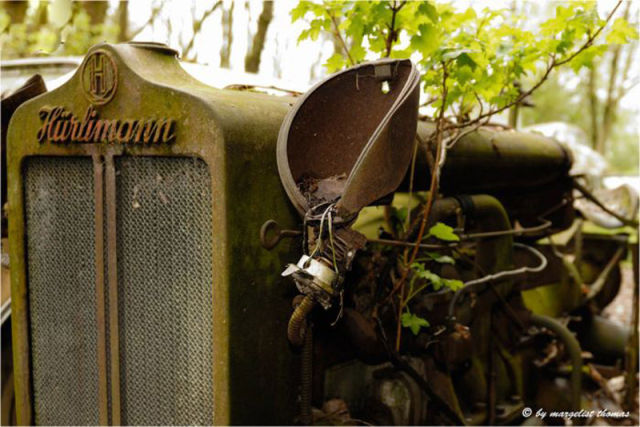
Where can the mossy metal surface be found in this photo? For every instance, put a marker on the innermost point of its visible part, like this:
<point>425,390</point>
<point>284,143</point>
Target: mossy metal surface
<point>235,134</point>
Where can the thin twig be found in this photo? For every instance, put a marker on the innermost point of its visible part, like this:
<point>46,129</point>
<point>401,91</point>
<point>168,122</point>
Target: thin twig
<point>433,189</point>
<point>340,38</point>
<point>411,173</point>
<point>197,25</point>
<point>450,142</point>
<point>631,222</point>
<point>552,65</point>
<point>393,34</point>
<point>154,13</point>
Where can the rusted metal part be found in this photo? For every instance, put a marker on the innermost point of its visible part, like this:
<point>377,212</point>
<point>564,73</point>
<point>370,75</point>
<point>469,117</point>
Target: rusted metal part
<point>347,126</point>
<point>314,278</point>
<point>331,253</point>
<point>553,201</point>
<point>61,126</point>
<point>98,185</point>
<point>493,255</point>
<point>631,351</point>
<point>456,347</point>
<point>522,231</point>
<point>345,144</point>
<point>573,348</point>
<point>562,286</point>
<point>448,407</point>
<point>492,376</point>
<point>602,337</point>
<point>397,396</point>
<point>609,208</point>
<point>99,76</point>
<point>361,334</point>
<point>155,47</point>
<point>597,286</point>
<point>112,277</point>
<point>19,306</point>
<point>318,191</point>
<point>272,228</point>
<point>306,377</point>
<point>252,87</point>
<point>503,163</point>
<point>404,244</point>
<point>489,160</point>
<point>34,86</point>
<point>233,132</point>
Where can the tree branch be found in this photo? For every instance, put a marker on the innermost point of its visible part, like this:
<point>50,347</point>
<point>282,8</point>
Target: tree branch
<point>393,34</point>
<point>336,32</point>
<point>154,14</point>
<point>197,25</point>
<point>554,63</point>
<point>625,71</point>
<point>593,106</point>
<point>252,58</point>
<point>433,189</point>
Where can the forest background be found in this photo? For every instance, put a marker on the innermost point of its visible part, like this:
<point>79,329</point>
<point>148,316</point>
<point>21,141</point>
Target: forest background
<point>285,40</point>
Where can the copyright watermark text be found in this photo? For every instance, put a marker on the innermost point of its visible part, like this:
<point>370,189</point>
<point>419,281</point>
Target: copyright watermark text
<point>602,413</point>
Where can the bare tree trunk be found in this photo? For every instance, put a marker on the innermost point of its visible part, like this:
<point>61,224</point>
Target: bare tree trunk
<point>513,116</point>
<point>97,11</point>
<point>247,7</point>
<point>17,10</point>
<point>155,12</point>
<point>41,16</point>
<point>227,36</point>
<point>197,26</point>
<point>277,58</point>
<point>123,21</point>
<point>316,65</point>
<point>252,59</point>
<point>611,104</point>
<point>592,84</point>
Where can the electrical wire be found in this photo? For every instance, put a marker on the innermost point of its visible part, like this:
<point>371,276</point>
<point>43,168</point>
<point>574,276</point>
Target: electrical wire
<point>500,275</point>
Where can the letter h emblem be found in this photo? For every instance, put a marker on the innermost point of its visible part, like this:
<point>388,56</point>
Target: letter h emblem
<point>97,75</point>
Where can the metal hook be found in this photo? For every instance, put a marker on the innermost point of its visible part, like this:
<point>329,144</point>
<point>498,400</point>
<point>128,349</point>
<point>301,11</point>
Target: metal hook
<point>277,234</point>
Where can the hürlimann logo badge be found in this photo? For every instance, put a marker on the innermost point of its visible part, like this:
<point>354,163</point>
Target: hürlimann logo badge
<point>99,77</point>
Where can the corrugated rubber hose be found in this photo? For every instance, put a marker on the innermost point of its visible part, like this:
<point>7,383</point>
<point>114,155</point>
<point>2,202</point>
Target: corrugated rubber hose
<point>299,332</point>
<point>306,379</point>
<point>298,320</point>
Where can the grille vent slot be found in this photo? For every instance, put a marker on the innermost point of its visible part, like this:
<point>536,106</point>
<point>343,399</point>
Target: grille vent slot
<point>61,289</point>
<point>165,302</point>
<point>164,251</point>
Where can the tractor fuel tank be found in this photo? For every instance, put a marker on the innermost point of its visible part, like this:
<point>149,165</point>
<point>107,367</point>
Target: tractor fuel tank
<point>527,172</point>
<point>493,159</point>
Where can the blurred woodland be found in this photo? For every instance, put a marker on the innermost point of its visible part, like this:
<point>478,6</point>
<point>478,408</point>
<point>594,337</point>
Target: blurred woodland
<point>591,100</point>
<point>261,37</point>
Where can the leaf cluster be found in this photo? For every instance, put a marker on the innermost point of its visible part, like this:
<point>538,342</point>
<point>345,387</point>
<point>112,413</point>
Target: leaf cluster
<point>473,65</point>
<point>66,31</point>
<point>481,57</point>
<point>422,277</point>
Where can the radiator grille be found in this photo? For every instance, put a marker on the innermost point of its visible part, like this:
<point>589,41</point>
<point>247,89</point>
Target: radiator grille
<point>164,250</point>
<point>59,210</point>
